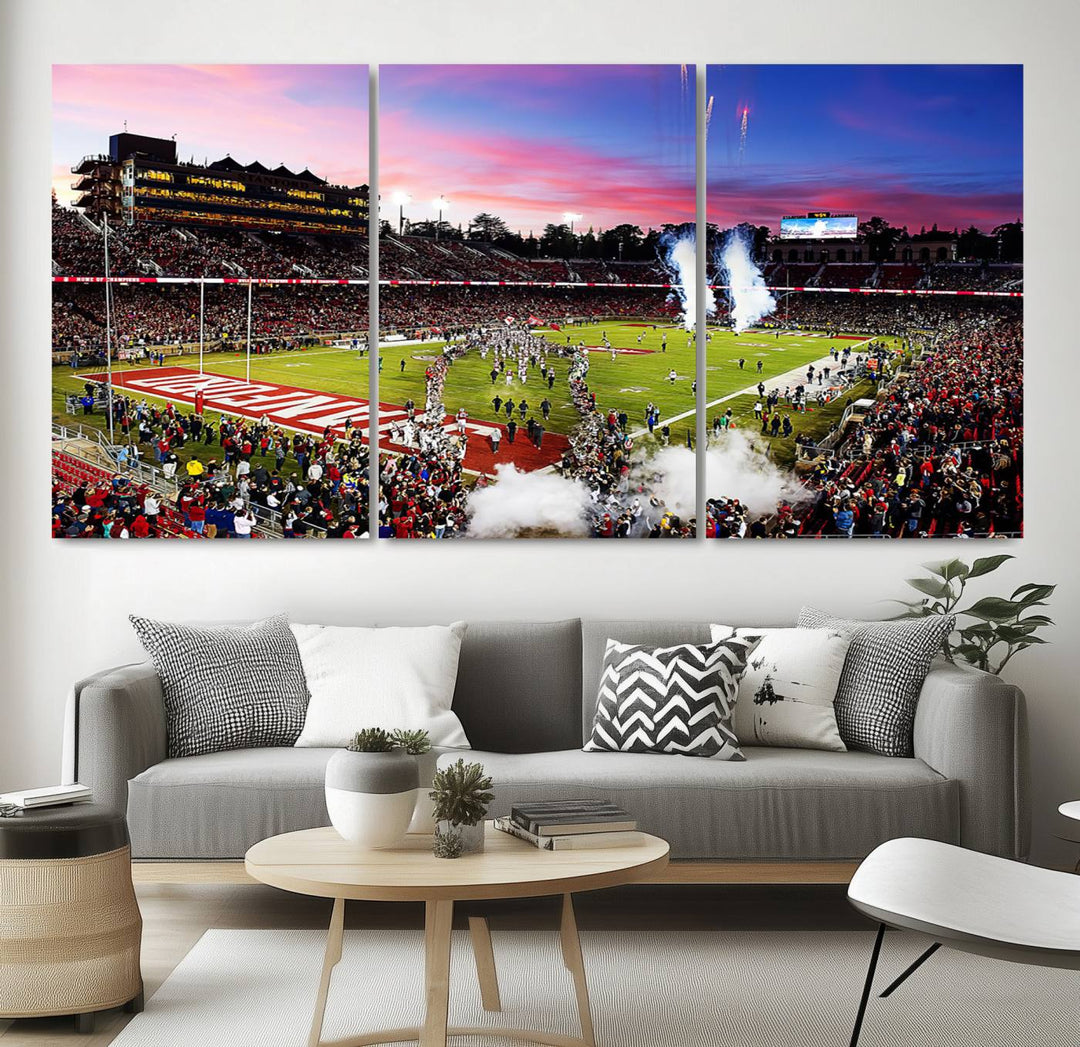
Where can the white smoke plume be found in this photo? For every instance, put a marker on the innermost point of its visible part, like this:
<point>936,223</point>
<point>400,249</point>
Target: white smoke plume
<point>671,475</point>
<point>748,293</point>
<point>735,468</point>
<point>534,504</point>
<point>678,257</point>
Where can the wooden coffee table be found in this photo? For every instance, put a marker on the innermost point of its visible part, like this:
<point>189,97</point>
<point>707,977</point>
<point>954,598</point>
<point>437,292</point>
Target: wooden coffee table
<point>320,863</point>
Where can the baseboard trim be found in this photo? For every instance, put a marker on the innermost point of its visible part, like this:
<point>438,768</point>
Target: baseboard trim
<point>689,873</point>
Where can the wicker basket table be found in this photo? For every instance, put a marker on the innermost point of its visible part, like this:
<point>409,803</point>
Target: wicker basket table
<point>70,927</point>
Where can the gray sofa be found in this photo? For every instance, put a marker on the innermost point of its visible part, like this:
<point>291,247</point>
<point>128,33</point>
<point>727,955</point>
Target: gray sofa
<point>526,694</point>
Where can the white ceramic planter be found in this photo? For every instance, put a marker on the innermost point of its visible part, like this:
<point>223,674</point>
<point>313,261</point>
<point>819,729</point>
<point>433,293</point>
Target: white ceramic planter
<point>472,836</point>
<point>371,797</point>
<point>423,819</point>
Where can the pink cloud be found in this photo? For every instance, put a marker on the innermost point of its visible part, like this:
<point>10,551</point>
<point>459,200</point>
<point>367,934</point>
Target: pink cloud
<point>528,182</point>
<point>302,116</point>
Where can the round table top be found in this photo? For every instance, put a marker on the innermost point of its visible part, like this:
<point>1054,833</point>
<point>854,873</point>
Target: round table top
<point>1070,809</point>
<point>319,862</point>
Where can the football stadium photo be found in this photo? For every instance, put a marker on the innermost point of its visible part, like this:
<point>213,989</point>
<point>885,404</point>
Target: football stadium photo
<point>536,367</point>
<point>210,302</point>
<point>536,354</point>
<point>864,350</point>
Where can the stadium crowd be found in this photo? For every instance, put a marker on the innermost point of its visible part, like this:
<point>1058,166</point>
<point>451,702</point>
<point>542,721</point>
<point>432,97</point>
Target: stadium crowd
<point>225,476</point>
<point>424,492</point>
<point>939,454</point>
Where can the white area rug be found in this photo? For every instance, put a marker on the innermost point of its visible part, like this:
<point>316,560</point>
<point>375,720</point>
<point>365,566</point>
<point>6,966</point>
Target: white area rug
<point>257,989</point>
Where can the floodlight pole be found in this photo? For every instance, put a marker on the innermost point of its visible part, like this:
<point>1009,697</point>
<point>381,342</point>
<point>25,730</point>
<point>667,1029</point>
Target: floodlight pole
<point>108,329</point>
<point>249,333</point>
<point>202,303</point>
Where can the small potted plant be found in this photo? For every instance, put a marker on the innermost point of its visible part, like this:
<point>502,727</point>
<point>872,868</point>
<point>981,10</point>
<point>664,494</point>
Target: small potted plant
<point>461,793</point>
<point>372,786</point>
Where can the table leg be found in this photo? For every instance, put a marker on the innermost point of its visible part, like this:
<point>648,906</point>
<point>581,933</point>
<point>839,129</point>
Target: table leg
<point>330,959</point>
<point>571,950</point>
<point>438,921</point>
<point>484,955</point>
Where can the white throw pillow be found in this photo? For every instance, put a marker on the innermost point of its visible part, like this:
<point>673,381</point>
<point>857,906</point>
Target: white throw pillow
<point>787,692</point>
<point>389,678</point>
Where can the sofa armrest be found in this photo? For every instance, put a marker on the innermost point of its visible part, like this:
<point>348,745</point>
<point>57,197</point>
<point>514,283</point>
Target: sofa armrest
<point>115,730</point>
<point>971,726</point>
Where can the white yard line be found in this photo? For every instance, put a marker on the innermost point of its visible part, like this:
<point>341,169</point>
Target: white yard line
<point>781,379</point>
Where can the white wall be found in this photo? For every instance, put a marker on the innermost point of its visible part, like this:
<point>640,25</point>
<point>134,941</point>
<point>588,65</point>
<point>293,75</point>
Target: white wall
<point>65,602</point>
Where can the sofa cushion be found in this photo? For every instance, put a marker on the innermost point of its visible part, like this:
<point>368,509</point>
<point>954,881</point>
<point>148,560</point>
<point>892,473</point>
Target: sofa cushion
<point>227,687</point>
<point>594,638</point>
<point>675,699</point>
<point>883,675</point>
<point>396,678</point>
<point>781,804</point>
<point>219,804</point>
<point>519,685</point>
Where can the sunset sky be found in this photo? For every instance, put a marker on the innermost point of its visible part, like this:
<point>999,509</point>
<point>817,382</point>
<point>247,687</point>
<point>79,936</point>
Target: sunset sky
<point>311,116</point>
<point>914,144</point>
<point>528,143</point>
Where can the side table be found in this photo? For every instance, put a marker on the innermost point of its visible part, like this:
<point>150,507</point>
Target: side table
<point>70,927</point>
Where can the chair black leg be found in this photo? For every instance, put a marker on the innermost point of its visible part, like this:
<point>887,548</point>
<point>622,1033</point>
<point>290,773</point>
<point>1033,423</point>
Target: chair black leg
<point>868,986</point>
<point>84,1023</point>
<point>135,1004</point>
<point>912,969</point>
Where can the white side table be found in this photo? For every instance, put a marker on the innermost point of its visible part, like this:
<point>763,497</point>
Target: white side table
<point>1072,810</point>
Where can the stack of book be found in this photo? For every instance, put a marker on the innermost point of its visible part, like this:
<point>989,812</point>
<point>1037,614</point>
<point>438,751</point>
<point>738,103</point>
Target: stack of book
<point>50,796</point>
<point>567,825</point>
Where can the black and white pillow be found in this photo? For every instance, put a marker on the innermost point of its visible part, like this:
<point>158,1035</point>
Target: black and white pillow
<point>227,687</point>
<point>670,699</point>
<point>883,675</point>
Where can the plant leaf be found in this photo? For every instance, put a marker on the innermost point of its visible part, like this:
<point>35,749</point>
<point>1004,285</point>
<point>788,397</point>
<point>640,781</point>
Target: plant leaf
<point>994,609</point>
<point>1037,619</point>
<point>930,586</point>
<point>986,564</point>
<point>1034,593</point>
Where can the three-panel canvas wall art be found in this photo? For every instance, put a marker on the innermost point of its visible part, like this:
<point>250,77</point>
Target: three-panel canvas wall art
<point>528,330</point>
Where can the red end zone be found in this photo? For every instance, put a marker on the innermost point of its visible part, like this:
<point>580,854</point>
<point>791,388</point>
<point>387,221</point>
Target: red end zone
<point>308,411</point>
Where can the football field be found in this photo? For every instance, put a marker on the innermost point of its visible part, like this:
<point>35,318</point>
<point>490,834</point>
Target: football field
<point>640,372</point>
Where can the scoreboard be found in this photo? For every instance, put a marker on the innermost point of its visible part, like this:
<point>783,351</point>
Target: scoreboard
<point>819,225</point>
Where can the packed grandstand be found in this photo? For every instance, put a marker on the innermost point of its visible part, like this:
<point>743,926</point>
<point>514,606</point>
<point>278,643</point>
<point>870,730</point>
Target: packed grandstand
<point>937,450</point>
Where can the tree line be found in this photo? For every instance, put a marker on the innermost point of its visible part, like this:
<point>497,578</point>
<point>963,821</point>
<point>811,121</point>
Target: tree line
<point>627,242</point>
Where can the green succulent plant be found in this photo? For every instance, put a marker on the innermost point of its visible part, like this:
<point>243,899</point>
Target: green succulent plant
<point>371,740</point>
<point>461,793</point>
<point>415,743</point>
<point>447,843</point>
<point>1002,627</point>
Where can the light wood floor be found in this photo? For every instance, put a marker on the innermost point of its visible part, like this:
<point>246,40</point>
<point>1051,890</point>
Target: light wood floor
<point>176,915</point>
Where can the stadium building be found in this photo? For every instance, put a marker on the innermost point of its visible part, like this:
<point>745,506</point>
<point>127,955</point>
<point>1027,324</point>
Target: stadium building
<point>141,180</point>
<point>821,237</point>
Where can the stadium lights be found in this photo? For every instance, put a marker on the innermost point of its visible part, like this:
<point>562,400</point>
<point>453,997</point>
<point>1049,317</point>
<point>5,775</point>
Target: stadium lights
<point>440,203</point>
<point>401,198</point>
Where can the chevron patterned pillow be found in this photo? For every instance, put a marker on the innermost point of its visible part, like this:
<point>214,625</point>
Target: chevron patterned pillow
<point>670,699</point>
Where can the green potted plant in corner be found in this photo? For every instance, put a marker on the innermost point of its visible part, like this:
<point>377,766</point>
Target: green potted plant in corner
<point>990,631</point>
<point>461,793</point>
<point>371,786</point>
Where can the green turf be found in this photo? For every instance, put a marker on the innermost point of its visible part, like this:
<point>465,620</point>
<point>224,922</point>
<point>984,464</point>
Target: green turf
<point>627,383</point>
<point>323,370</point>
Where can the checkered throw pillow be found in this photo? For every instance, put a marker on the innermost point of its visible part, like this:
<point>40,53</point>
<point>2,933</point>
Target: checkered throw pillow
<point>227,687</point>
<point>883,675</point>
<point>670,699</point>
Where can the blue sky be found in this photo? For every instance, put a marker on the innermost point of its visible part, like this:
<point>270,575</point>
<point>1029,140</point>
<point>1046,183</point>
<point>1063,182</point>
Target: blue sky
<point>914,144</point>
